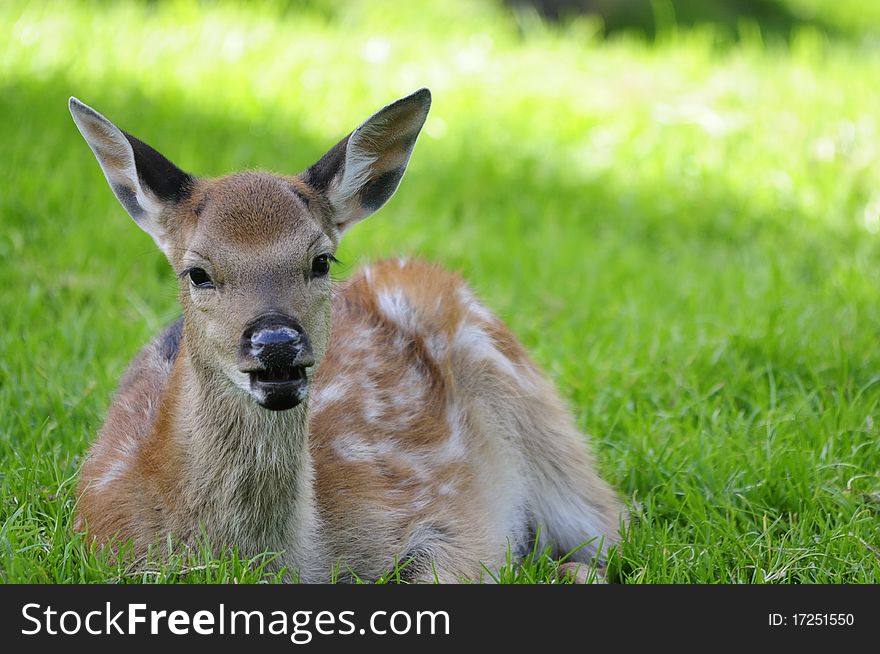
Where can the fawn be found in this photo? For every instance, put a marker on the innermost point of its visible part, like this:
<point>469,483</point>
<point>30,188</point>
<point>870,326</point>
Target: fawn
<point>390,418</point>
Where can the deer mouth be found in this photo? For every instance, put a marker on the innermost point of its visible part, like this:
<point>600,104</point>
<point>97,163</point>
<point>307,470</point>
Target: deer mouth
<point>290,375</point>
<point>279,389</point>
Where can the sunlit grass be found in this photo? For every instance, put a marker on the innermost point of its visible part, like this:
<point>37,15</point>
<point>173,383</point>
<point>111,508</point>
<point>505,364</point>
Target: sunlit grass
<point>686,234</point>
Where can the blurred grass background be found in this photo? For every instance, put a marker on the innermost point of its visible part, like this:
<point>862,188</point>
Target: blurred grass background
<point>674,204</point>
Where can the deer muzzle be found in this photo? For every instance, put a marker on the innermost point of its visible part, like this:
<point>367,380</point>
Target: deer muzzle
<point>275,352</point>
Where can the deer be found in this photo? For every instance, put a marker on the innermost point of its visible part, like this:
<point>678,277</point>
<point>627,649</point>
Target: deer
<point>387,420</point>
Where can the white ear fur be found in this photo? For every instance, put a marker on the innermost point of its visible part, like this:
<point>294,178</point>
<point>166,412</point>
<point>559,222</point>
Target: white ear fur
<point>116,157</point>
<point>360,154</point>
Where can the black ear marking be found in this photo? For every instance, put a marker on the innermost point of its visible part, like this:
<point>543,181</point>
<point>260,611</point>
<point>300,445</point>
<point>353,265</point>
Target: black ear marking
<point>163,178</point>
<point>376,192</point>
<point>329,166</point>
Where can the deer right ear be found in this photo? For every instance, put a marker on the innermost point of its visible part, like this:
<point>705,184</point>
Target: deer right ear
<point>363,170</point>
<point>144,181</point>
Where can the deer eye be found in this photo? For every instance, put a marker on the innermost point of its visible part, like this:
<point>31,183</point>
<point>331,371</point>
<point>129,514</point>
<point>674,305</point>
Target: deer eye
<point>321,265</point>
<point>199,278</point>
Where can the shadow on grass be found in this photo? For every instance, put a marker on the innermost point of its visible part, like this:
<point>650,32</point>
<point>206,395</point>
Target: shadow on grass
<point>775,18</point>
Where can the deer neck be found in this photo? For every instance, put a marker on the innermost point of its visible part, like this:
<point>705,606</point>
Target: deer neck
<point>248,477</point>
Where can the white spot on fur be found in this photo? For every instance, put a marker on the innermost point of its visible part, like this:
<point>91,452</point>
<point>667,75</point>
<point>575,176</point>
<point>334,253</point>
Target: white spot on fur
<point>479,346</point>
<point>453,448</point>
<point>352,448</point>
<point>359,341</point>
<point>114,472</point>
<point>396,307</point>
<point>326,395</point>
<point>436,345</point>
<point>374,409</point>
<point>419,464</point>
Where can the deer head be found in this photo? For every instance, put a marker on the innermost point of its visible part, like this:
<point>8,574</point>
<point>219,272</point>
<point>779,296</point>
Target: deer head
<point>252,251</point>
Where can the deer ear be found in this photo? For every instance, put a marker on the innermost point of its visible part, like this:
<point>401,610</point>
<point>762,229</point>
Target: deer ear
<point>361,172</point>
<point>144,181</point>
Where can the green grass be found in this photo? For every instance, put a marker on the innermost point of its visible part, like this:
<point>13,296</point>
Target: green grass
<point>685,233</point>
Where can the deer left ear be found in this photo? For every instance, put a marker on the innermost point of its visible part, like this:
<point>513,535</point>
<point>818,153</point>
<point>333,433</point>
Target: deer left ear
<point>144,181</point>
<point>361,172</point>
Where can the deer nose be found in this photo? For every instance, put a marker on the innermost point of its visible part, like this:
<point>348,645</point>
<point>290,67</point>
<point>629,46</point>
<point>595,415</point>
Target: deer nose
<point>276,341</point>
<point>280,347</point>
<point>281,336</point>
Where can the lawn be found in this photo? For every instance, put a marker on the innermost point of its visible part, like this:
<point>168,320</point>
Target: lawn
<point>684,231</point>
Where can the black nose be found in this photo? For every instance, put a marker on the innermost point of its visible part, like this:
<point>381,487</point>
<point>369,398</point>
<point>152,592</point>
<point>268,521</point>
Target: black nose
<point>275,337</point>
<point>276,340</point>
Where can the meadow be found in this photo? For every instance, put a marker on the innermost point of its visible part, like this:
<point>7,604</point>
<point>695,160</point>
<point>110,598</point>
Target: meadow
<point>683,230</point>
